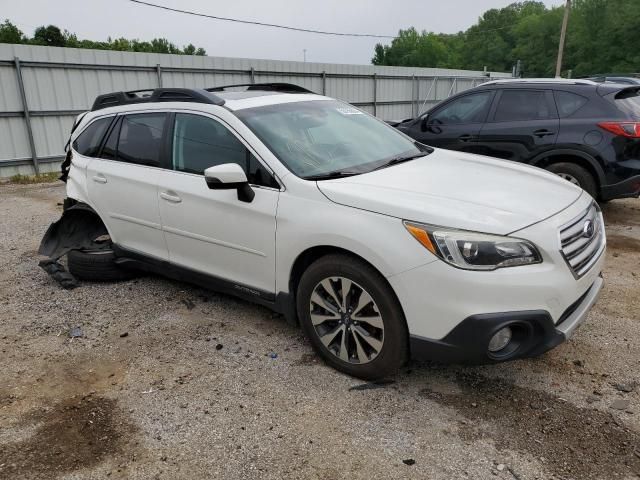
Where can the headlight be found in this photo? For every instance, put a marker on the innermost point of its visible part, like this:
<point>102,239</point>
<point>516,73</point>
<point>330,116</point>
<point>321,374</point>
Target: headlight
<point>474,251</point>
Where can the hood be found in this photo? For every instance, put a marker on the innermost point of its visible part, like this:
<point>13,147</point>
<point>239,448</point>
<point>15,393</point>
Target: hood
<point>457,190</point>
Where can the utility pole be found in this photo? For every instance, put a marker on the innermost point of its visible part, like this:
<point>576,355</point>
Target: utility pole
<point>563,34</point>
<point>304,54</point>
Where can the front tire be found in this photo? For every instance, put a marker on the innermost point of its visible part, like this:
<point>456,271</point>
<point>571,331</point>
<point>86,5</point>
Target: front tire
<point>577,175</point>
<point>96,266</point>
<point>352,317</point>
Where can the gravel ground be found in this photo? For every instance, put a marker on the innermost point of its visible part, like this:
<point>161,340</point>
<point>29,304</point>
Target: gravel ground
<point>171,381</point>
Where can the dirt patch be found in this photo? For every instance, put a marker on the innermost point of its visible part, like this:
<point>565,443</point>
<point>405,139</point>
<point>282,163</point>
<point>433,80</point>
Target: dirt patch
<point>622,213</point>
<point>622,243</point>
<point>307,359</point>
<point>72,435</point>
<point>574,442</point>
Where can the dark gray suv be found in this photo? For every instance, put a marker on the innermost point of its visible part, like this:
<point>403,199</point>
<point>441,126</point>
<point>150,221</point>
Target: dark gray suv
<point>584,131</point>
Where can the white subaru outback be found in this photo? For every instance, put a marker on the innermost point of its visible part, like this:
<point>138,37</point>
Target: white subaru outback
<point>379,247</point>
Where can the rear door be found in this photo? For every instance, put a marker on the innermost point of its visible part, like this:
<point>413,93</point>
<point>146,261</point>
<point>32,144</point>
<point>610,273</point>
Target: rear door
<point>456,124</point>
<point>522,124</point>
<point>123,182</point>
<point>211,231</point>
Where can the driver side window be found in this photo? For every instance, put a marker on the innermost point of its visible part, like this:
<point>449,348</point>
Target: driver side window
<point>201,142</point>
<point>466,109</point>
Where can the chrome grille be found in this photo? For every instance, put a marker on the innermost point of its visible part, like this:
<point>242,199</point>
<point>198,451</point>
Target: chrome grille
<point>583,240</point>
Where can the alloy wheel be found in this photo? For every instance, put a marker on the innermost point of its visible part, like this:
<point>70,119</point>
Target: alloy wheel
<point>347,320</point>
<point>569,178</point>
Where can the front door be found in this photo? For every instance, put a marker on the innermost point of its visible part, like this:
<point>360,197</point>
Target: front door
<point>211,231</point>
<point>456,124</point>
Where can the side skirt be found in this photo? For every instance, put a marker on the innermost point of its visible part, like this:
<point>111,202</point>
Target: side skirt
<point>281,303</point>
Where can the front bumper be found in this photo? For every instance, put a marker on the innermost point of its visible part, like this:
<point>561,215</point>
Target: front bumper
<point>535,333</point>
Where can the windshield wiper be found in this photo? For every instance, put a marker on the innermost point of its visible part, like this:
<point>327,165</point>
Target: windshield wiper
<point>400,159</point>
<point>332,175</point>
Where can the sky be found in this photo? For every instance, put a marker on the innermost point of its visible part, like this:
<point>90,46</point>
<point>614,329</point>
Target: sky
<point>100,19</point>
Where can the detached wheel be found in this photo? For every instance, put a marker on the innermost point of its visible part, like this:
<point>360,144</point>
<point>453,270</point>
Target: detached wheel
<point>577,175</point>
<point>96,265</point>
<point>352,317</point>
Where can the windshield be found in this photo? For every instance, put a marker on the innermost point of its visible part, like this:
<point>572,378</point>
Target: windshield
<point>325,137</point>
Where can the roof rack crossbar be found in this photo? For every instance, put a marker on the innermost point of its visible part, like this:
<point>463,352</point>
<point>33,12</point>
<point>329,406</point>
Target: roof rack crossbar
<point>269,87</point>
<point>156,95</point>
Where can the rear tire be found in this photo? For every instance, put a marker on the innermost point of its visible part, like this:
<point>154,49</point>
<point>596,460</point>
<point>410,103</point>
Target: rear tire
<point>369,317</point>
<point>577,175</point>
<point>96,266</point>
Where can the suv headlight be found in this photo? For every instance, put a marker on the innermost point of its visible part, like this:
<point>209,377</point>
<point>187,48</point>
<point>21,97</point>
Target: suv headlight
<point>474,251</point>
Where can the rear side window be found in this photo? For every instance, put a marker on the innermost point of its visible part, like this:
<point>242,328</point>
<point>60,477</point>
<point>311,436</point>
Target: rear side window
<point>140,139</point>
<point>568,103</point>
<point>201,142</point>
<point>88,142</point>
<point>516,105</point>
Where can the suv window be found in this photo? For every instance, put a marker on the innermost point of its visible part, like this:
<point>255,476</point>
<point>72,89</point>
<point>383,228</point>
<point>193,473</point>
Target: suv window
<point>88,142</point>
<point>200,142</point>
<point>467,109</point>
<point>515,105</point>
<point>140,139</point>
<point>568,103</point>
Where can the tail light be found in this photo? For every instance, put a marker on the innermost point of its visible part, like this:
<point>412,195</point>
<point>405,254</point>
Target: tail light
<point>624,129</point>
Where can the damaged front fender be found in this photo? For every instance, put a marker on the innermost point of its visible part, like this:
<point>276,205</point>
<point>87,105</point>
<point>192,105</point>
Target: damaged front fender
<point>77,229</point>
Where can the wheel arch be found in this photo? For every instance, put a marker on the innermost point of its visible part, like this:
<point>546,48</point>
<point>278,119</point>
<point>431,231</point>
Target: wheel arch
<point>572,156</point>
<point>310,255</point>
<point>79,222</point>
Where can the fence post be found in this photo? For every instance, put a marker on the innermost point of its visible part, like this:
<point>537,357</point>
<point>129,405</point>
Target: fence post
<point>159,74</point>
<point>253,75</point>
<point>375,94</point>
<point>324,82</point>
<point>27,117</point>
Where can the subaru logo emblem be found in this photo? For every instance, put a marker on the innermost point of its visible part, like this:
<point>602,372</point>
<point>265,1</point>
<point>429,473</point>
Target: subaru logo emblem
<point>588,229</point>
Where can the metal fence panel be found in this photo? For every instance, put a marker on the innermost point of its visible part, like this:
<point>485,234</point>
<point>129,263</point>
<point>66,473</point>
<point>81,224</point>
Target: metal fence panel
<point>60,83</point>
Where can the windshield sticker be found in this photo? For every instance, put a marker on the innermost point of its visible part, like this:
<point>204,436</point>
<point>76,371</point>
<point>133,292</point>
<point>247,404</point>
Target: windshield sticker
<point>349,111</point>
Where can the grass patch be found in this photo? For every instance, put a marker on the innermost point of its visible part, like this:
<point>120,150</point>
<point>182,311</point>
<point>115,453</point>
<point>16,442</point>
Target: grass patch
<point>29,179</point>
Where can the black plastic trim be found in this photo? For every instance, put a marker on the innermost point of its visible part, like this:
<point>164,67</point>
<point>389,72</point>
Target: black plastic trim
<point>280,303</point>
<point>468,341</point>
<point>628,188</point>
<point>266,87</point>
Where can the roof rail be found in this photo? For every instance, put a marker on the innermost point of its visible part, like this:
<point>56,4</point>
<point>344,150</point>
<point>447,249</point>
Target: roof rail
<point>268,87</point>
<point>566,81</point>
<point>156,95</point>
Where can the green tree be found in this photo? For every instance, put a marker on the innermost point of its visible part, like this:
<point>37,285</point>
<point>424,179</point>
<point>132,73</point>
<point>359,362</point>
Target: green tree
<point>601,38</point>
<point>50,36</point>
<point>54,37</point>
<point>9,33</point>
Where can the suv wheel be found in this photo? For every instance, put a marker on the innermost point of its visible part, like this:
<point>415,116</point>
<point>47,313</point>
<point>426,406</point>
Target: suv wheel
<point>97,265</point>
<point>577,175</point>
<point>352,317</point>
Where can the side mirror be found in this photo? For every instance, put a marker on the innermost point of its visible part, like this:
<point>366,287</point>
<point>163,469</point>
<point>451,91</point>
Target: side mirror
<point>229,176</point>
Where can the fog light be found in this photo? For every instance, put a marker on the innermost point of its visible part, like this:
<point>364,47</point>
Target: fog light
<point>500,340</point>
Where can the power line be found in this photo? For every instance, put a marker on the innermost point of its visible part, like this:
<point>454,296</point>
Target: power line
<point>262,24</point>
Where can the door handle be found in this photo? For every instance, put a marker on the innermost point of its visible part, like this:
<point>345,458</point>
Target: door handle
<point>466,137</point>
<point>543,132</point>
<point>170,197</point>
<point>99,178</point>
